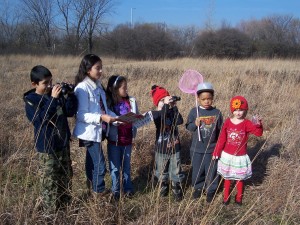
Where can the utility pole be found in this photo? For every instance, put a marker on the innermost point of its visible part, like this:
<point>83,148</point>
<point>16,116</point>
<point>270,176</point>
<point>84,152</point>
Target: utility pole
<point>131,22</point>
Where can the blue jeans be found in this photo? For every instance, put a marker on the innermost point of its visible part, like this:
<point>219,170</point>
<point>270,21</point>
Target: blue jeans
<point>119,162</point>
<point>95,166</point>
<point>168,166</point>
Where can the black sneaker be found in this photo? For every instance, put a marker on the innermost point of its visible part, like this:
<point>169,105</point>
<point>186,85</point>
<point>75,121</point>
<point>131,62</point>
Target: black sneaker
<point>129,194</point>
<point>164,189</point>
<point>177,192</point>
<point>238,202</point>
<point>226,202</point>
<point>197,193</point>
<point>116,196</point>
<point>209,198</point>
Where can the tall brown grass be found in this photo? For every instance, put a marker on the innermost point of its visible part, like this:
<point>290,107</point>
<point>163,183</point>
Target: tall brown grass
<point>272,88</point>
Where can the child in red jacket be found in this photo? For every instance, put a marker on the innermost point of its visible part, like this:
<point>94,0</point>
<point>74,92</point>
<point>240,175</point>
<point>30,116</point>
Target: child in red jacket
<point>231,148</point>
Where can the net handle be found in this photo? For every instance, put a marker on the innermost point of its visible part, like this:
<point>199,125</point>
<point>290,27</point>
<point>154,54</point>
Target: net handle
<point>197,109</point>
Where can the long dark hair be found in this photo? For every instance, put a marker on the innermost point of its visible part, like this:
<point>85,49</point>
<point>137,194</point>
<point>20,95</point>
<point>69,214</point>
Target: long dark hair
<point>86,64</point>
<point>113,85</point>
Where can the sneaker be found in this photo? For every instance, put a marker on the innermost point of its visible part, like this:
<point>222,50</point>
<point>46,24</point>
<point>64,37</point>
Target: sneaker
<point>89,187</point>
<point>209,198</point>
<point>100,194</point>
<point>226,202</point>
<point>129,194</point>
<point>197,193</point>
<point>164,189</point>
<point>116,196</point>
<point>177,192</point>
<point>238,202</point>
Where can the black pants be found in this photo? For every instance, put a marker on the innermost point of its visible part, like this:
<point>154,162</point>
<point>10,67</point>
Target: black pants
<point>204,174</point>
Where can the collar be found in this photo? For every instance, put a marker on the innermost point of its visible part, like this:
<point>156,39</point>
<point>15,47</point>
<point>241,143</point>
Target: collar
<point>201,107</point>
<point>92,83</point>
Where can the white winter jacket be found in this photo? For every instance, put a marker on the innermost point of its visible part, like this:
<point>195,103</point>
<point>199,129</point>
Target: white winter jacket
<point>88,125</point>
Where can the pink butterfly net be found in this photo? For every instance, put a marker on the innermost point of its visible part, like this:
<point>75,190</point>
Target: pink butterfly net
<point>189,81</point>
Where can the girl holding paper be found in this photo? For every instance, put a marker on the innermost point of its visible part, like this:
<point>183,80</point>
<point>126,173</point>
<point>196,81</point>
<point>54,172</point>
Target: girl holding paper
<point>120,136</point>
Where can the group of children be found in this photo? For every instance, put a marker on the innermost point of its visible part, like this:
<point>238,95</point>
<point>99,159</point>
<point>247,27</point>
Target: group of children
<point>216,148</point>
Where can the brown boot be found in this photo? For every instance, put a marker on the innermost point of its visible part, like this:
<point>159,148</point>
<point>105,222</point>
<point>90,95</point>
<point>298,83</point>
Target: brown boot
<point>97,195</point>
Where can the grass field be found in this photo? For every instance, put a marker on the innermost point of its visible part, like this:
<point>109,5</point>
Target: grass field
<point>272,88</point>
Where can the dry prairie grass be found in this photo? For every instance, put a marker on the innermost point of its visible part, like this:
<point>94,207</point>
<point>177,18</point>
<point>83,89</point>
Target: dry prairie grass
<point>272,88</point>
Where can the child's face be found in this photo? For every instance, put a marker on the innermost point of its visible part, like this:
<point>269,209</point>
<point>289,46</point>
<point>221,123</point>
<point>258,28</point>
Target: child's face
<point>43,87</point>
<point>122,91</point>
<point>239,113</point>
<point>96,71</point>
<point>205,99</point>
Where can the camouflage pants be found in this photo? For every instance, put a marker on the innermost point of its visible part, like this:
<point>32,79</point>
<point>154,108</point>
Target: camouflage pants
<point>55,178</point>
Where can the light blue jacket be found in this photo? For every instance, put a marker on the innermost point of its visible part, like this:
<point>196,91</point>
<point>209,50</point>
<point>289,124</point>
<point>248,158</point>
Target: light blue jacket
<point>88,125</point>
<point>113,131</point>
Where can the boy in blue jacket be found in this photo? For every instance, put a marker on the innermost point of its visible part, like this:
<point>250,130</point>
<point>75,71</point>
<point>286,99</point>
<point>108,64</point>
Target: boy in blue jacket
<point>47,108</point>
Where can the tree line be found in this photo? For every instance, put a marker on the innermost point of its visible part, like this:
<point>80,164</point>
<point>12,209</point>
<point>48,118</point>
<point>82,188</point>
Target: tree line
<point>79,26</point>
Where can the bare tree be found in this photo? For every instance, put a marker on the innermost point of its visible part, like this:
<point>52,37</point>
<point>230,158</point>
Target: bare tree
<point>9,23</point>
<point>41,15</point>
<point>277,35</point>
<point>73,13</point>
<point>83,18</point>
<point>96,10</point>
<point>185,38</point>
<point>64,7</point>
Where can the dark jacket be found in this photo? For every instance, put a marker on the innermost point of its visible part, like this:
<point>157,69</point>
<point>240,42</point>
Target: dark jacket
<point>49,118</point>
<point>211,124</point>
<point>167,136</point>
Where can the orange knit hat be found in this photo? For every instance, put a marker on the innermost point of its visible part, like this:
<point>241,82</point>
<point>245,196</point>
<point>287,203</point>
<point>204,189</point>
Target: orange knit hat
<point>238,102</point>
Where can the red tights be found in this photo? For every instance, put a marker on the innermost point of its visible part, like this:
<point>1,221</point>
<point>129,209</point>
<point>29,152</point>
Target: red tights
<point>239,187</point>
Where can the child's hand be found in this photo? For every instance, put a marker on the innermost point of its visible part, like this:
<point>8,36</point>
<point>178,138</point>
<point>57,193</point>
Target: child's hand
<point>168,100</point>
<point>256,119</point>
<point>107,118</point>
<point>198,121</point>
<point>259,118</point>
<point>56,91</point>
<point>215,157</point>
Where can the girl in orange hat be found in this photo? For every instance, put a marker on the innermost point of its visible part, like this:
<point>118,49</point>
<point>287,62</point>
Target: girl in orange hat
<point>231,148</point>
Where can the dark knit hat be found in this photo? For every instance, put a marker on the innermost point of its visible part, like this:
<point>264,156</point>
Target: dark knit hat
<point>238,102</point>
<point>158,93</point>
